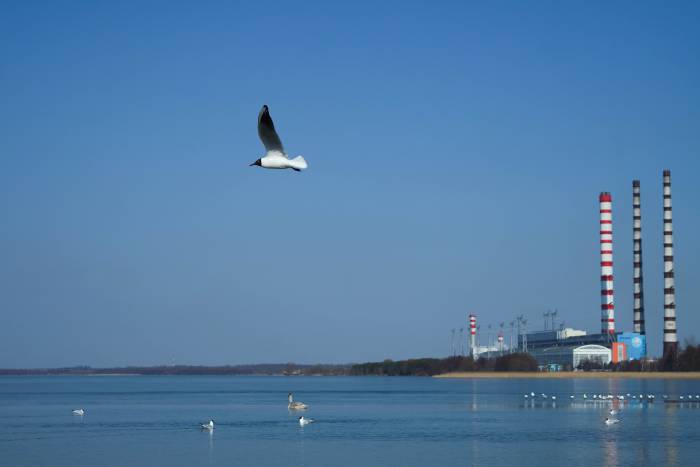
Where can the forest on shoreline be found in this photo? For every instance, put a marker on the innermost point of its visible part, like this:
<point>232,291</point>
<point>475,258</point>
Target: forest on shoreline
<point>688,360</point>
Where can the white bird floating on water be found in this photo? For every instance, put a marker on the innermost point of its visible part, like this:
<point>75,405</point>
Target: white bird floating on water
<point>571,396</point>
<point>554,398</point>
<point>208,426</point>
<point>78,412</point>
<point>275,157</point>
<point>585,396</point>
<point>295,405</point>
<point>611,421</point>
<point>303,421</point>
<point>532,394</point>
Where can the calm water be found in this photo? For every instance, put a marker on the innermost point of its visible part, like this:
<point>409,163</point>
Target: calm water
<point>153,421</point>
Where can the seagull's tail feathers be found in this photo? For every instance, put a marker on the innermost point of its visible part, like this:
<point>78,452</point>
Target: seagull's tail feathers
<point>298,163</point>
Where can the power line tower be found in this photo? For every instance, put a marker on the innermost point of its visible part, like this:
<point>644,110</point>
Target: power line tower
<point>512,327</point>
<point>500,338</point>
<point>478,334</point>
<point>519,320</point>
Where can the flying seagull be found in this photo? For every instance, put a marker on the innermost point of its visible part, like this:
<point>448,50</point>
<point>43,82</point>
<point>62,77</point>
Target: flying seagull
<point>275,157</point>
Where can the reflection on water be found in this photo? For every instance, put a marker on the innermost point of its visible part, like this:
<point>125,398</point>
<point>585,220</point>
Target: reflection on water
<point>211,446</point>
<point>610,449</point>
<point>671,434</point>
<point>366,422</point>
<point>302,454</point>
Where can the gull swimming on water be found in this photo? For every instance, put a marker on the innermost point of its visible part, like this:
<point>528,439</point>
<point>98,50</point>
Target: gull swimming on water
<point>611,421</point>
<point>303,421</point>
<point>295,405</point>
<point>208,426</point>
<point>275,157</point>
<point>78,412</point>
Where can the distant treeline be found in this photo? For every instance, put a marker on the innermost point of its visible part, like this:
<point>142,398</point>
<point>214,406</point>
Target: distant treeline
<point>688,360</point>
<point>436,366</point>
<point>289,369</point>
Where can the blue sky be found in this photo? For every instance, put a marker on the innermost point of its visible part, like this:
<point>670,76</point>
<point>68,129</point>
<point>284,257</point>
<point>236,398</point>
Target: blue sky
<point>456,153</point>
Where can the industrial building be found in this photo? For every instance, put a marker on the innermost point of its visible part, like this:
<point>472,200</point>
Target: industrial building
<point>571,357</point>
<point>568,347</point>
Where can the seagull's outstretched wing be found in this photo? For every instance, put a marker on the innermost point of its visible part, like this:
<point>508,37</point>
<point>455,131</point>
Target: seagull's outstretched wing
<point>267,133</point>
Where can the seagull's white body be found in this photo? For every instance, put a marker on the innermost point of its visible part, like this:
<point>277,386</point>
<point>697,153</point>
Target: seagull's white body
<point>554,398</point>
<point>208,426</point>
<point>571,397</point>
<point>78,412</point>
<point>532,394</point>
<point>611,421</point>
<point>295,405</point>
<point>275,157</point>
<point>303,421</point>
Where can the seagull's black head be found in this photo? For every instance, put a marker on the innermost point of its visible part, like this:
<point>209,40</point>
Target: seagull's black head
<point>258,163</point>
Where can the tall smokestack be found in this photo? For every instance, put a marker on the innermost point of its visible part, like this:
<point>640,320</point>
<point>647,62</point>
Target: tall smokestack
<point>670,337</point>
<point>472,335</point>
<point>637,259</point>
<point>607,318</point>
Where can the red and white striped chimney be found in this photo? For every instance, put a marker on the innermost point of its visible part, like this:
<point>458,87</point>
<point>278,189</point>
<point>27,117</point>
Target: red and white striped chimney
<point>607,307</point>
<point>472,335</point>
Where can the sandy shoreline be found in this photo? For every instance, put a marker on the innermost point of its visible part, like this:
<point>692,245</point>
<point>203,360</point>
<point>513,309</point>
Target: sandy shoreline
<point>572,375</point>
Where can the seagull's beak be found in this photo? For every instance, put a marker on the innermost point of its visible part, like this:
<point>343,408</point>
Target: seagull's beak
<point>255,163</point>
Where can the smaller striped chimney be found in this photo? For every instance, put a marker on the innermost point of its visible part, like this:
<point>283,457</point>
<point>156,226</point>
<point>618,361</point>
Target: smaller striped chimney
<point>472,335</point>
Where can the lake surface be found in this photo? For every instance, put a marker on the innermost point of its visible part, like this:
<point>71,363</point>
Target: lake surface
<point>154,421</point>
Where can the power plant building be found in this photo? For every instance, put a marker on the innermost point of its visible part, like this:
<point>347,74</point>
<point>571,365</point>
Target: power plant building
<point>569,347</point>
<point>635,343</point>
<point>571,356</point>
